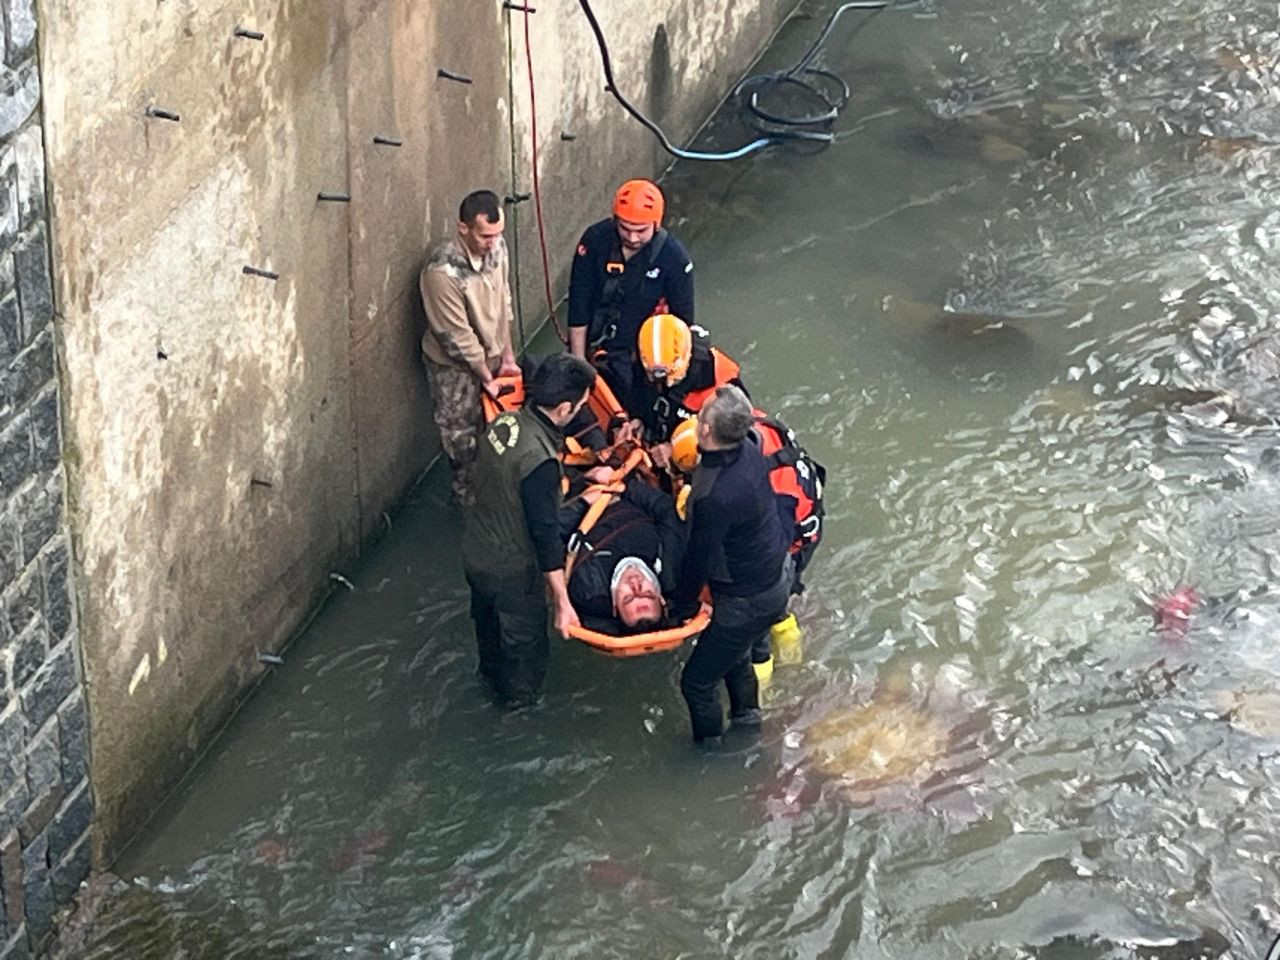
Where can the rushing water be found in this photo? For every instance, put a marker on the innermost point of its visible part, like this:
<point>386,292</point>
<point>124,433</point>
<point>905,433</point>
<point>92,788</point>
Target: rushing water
<point>1023,311</point>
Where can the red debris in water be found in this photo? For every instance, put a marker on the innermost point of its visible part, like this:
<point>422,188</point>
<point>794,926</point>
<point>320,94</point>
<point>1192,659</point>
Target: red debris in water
<point>1173,611</point>
<point>272,851</point>
<point>356,851</point>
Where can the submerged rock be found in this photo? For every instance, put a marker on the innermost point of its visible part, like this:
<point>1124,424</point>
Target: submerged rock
<point>912,745</point>
<point>997,149</point>
<point>876,742</point>
<point>1254,710</point>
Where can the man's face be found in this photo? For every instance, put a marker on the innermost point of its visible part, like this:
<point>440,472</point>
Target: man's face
<point>634,235</point>
<point>636,598</point>
<point>704,433</point>
<point>481,236</point>
<point>562,414</point>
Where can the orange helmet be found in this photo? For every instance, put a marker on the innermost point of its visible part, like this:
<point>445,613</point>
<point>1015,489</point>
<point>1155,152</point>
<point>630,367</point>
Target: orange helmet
<point>666,347</point>
<point>639,201</point>
<point>684,445</point>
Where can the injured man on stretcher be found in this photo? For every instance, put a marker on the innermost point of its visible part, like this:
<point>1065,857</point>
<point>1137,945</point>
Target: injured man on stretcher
<point>627,561</point>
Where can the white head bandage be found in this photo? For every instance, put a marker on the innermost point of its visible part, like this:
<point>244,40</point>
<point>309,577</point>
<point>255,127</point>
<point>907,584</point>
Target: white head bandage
<point>633,563</point>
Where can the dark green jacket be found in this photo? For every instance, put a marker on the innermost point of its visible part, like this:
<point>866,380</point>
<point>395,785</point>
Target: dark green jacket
<point>495,539</point>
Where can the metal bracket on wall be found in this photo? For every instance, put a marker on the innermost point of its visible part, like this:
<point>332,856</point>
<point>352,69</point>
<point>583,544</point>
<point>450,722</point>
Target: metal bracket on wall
<point>444,74</point>
<point>568,137</point>
<point>250,34</point>
<point>334,197</point>
<point>508,5</point>
<point>517,198</point>
<point>388,141</point>
<point>160,114</point>
<point>265,274</point>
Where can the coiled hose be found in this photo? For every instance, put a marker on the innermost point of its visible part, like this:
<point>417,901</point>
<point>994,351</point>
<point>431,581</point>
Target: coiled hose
<point>827,90</point>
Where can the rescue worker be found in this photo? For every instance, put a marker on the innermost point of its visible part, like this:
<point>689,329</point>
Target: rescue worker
<point>467,343</point>
<point>678,370</point>
<point>512,553</point>
<point>738,549</point>
<point>627,267</point>
<point>627,562</point>
<point>797,481</point>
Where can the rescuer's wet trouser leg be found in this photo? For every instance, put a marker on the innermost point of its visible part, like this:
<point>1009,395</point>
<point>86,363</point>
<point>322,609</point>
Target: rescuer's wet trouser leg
<point>510,615</point>
<point>723,652</point>
<point>761,649</point>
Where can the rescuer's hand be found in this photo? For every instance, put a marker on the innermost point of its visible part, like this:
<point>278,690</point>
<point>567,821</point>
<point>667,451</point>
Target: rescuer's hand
<point>566,617</point>
<point>509,368</point>
<point>684,609</point>
<point>660,454</point>
<point>631,430</point>
<point>492,387</point>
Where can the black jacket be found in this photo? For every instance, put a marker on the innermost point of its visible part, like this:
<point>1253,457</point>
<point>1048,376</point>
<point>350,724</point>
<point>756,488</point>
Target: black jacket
<point>652,274</point>
<point>736,542</point>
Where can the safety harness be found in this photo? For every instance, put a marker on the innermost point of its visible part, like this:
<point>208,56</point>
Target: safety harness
<point>617,289</point>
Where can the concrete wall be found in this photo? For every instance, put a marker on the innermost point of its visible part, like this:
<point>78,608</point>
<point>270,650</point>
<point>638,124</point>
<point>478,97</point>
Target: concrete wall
<point>45,802</point>
<point>232,439</point>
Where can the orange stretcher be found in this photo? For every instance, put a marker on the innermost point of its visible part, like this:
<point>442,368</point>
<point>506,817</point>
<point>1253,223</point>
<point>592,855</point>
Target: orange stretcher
<point>607,412</point>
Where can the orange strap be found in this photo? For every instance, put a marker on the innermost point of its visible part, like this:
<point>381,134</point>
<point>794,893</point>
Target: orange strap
<point>607,491</point>
<point>510,397</point>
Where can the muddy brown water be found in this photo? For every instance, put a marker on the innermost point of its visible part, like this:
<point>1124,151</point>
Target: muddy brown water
<point>1012,310</point>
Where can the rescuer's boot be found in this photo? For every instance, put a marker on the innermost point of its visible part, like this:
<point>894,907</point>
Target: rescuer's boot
<point>764,672</point>
<point>785,637</point>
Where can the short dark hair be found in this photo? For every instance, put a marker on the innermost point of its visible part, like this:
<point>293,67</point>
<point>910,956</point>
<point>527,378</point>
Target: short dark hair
<point>559,378</point>
<point>477,202</point>
<point>645,625</point>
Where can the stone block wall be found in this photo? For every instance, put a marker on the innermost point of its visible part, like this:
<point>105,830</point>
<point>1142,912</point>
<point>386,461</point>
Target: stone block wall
<point>45,804</point>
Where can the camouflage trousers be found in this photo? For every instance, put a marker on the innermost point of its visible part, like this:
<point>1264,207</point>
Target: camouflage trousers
<point>455,398</point>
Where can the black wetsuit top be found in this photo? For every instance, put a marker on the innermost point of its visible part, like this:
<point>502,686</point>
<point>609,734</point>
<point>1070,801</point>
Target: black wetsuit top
<point>646,278</point>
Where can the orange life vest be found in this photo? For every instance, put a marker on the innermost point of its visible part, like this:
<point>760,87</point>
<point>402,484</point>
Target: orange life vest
<point>797,480</point>
<point>724,369</point>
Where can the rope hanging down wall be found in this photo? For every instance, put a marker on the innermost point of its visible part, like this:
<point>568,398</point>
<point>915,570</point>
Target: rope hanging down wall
<point>517,197</point>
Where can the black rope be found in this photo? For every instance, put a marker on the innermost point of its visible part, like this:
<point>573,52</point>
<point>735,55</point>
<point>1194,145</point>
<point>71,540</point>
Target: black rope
<point>827,91</point>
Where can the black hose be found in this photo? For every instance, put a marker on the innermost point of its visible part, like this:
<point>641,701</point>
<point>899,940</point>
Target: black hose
<point>775,127</point>
<point>827,90</point>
